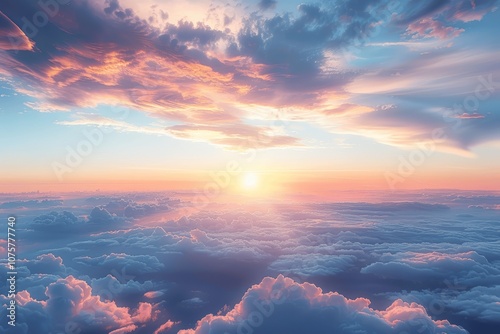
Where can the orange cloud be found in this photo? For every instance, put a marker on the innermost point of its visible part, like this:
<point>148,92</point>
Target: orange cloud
<point>165,327</point>
<point>12,37</point>
<point>237,137</point>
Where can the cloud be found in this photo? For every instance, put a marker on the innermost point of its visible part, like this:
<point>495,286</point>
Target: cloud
<point>174,77</point>
<point>468,268</point>
<point>467,11</point>
<point>182,73</point>
<point>143,313</point>
<point>71,297</point>
<point>424,78</point>
<point>44,264</point>
<point>480,302</point>
<point>132,264</point>
<point>12,37</point>
<point>453,10</point>
<point>388,207</point>
<point>36,284</point>
<point>199,35</point>
<point>431,28</point>
<point>140,210</point>
<point>44,203</point>
<point>55,221</point>
<point>109,123</point>
<point>431,240</point>
<point>470,116</point>
<point>133,209</point>
<point>282,305</point>
<point>267,4</point>
<point>210,81</point>
<point>191,303</point>
<point>295,45</point>
<point>153,294</point>
<point>112,288</point>
<point>165,327</point>
<point>71,303</point>
<point>123,330</point>
<point>235,137</point>
<point>99,215</point>
<point>313,264</point>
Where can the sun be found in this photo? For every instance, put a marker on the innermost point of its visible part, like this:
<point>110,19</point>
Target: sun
<point>250,180</point>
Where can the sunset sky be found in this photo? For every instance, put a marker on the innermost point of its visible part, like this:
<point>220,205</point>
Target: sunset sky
<point>250,167</point>
<point>312,95</point>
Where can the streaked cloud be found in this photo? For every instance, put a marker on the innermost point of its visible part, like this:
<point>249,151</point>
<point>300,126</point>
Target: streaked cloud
<point>203,77</point>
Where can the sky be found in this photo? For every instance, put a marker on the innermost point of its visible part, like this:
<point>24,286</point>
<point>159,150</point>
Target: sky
<point>249,167</point>
<point>103,94</point>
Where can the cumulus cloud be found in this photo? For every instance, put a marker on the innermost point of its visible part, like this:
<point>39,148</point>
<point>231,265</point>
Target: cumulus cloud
<point>140,210</point>
<point>132,264</point>
<point>480,303</point>
<point>282,305</point>
<point>63,222</point>
<point>55,221</point>
<point>70,301</point>
<point>44,203</point>
<point>100,215</point>
<point>468,268</point>
<point>126,207</point>
<point>429,243</point>
<point>113,288</point>
<point>44,264</point>
<point>313,264</point>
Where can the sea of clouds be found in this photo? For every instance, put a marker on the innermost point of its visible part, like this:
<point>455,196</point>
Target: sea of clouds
<point>152,263</point>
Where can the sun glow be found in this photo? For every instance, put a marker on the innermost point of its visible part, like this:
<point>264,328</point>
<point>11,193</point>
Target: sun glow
<point>250,181</point>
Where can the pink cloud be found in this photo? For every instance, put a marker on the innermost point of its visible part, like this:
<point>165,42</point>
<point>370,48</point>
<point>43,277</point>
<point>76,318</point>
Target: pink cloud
<point>143,313</point>
<point>470,116</point>
<point>201,86</point>
<point>165,327</point>
<point>457,10</point>
<point>23,297</point>
<point>123,330</point>
<point>429,27</point>
<point>71,299</point>
<point>436,257</point>
<point>468,16</point>
<point>153,294</point>
<point>308,304</point>
<point>472,11</point>
<point>235,136</point>
<point>12,37</point>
